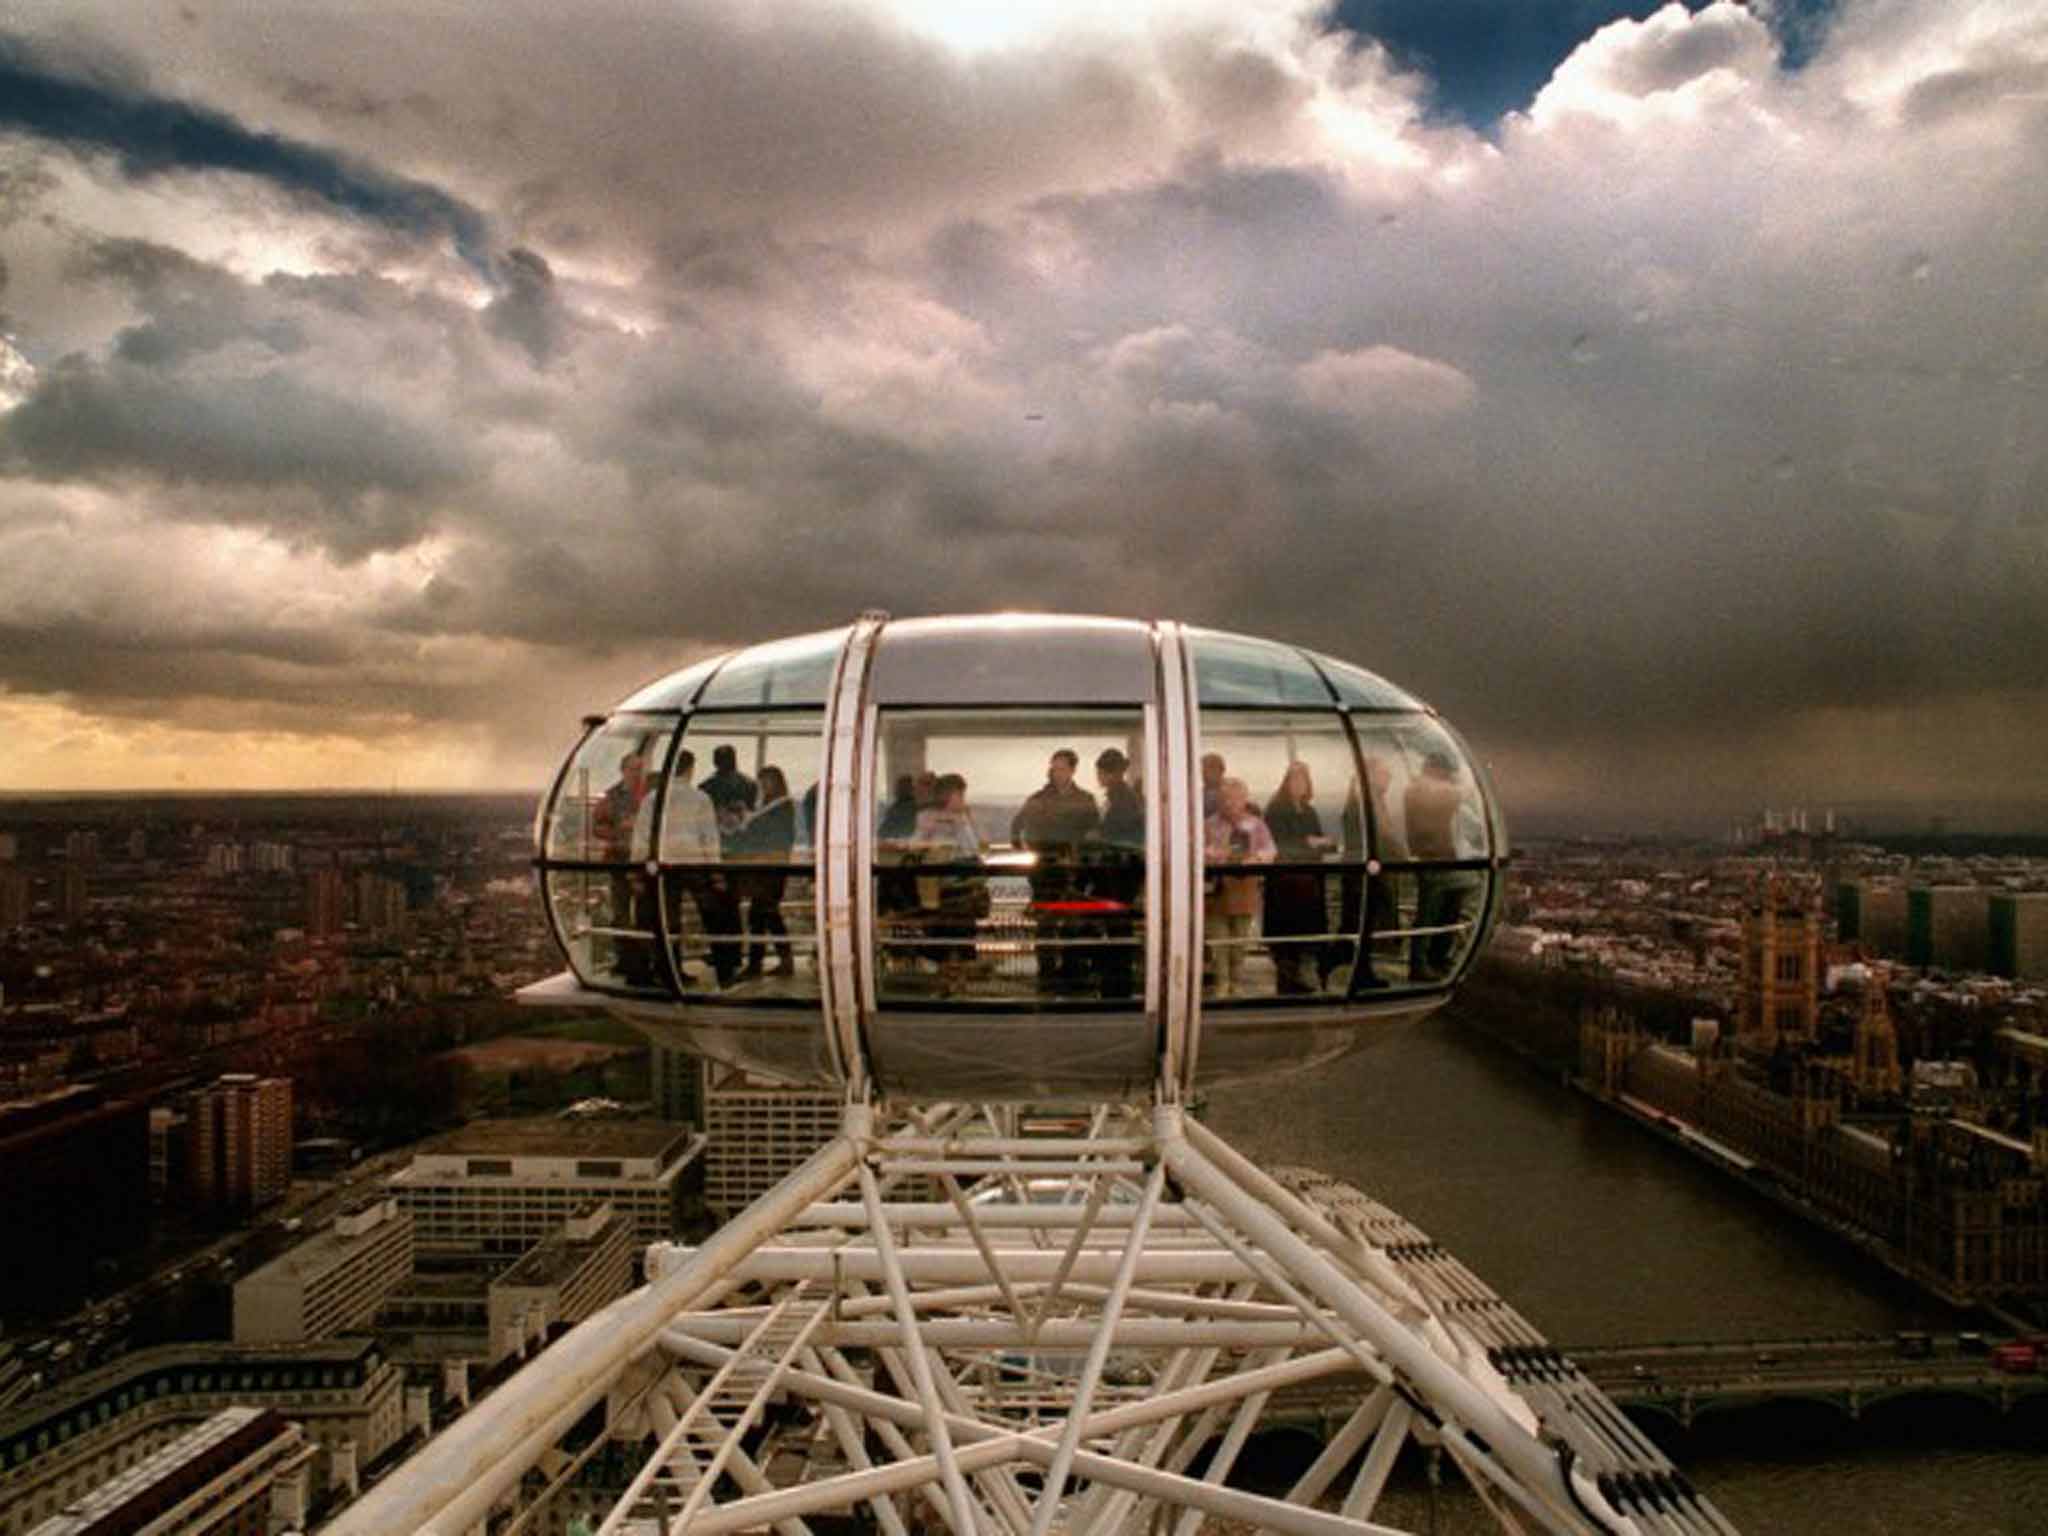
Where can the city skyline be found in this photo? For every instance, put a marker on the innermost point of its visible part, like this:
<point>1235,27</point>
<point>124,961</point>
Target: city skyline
<point>1658,393</point>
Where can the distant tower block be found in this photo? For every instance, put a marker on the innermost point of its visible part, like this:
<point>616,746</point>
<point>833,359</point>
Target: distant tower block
<point>1781,934</point>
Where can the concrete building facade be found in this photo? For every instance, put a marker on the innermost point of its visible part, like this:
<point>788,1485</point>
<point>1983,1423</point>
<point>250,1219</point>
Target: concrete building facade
<point>329,1284</point>
<point>2019,935</point>
<point>758,1132</point>
<point>561,1280</point>
<point>1949,926</point>
<point>502,1187</point>
<point>1872,914</point>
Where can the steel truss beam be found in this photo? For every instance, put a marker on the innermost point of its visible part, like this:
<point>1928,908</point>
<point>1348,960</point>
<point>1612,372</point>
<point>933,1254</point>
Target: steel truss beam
<point>1051,1345</point>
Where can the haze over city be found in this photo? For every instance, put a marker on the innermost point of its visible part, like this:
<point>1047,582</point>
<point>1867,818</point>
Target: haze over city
<point>1660,394</point>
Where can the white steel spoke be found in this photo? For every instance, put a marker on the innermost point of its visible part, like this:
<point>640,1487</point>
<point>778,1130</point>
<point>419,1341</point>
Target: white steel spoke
<point>1345,1444</point>
<point>964,1523</point>
<point>1033,1311</point>
<point>1098,1352</point>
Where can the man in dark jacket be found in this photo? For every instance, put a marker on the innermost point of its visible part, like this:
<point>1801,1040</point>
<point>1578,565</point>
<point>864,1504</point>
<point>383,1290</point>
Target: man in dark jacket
<point>1119,874</point>
<point>732,793</point>
<point>1053,824</point>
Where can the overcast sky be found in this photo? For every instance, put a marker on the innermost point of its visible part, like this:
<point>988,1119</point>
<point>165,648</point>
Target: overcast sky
<point>1661,393</point>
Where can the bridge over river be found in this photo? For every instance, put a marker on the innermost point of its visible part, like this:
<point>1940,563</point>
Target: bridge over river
<point>1687,1379</point>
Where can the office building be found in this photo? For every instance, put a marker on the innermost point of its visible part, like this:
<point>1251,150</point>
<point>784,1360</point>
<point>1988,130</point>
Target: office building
<point>678,1080</point>
<point>759,1130</point>
<point>502,1186</point>
<point>331,1283</point>
<point>73,893</point>
<point>2019,935</point>
<point>1948,926</point>
<point>241,1473</point>
<point>380,903</point>
<point>241,1142</point>
<point>1872,914</point>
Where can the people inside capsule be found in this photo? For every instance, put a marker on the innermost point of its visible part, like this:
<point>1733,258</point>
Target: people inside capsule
<point>1118,873</point>
<point>1053,824</point>
<point>896,889</point>
<point>1234,835</point>
<point>1212,778</point>
<point>1430,810</point>
<point>765,838</point>
<point>1296,919</point>
<point>1382,911</point>
<point>615,827</point>
<point>689,835</point>
<point>732,793</point>
<point>956,899</point>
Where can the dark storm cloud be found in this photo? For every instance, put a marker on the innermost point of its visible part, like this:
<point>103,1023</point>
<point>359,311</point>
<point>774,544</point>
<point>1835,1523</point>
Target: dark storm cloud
<point>1691,428</point>
<point>154,136</point>
<point>526,310</point>
<point>367,474</point>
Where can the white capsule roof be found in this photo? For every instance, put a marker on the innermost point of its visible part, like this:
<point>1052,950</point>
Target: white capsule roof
<point>1018,856</point>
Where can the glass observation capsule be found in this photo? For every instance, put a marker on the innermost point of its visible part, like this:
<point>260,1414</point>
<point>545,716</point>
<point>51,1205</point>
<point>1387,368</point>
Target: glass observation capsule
<point>1018,857</point>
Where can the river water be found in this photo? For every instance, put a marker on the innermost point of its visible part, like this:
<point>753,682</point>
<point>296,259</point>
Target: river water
<point>1600,1233</point>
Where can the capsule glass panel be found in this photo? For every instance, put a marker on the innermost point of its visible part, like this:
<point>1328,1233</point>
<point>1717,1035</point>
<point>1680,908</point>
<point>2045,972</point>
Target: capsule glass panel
<point>1235,669</point>
<point>678,690</point>
<point>737,855</point>
<point>1009,857</point>
<point>603,813</point>
<point>596,816</point>
<point>1432,834</point>
<point>1360,689</point>
<point>795,671</point>
<point>1284,852</point>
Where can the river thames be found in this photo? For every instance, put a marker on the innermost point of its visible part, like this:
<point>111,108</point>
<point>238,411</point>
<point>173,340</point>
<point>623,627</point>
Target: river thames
<point>1600,1233</point>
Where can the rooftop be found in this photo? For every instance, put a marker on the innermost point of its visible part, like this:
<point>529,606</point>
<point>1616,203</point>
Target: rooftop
<point>554,1259</point>
<point>551,1137</point>
<point>317,1254</point>
<point>175,1472</point>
